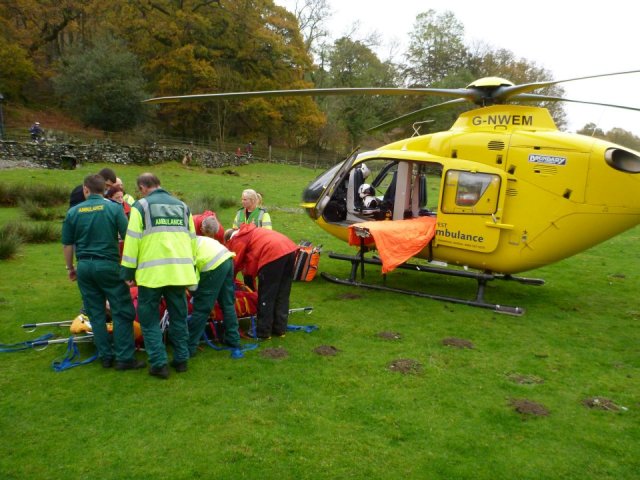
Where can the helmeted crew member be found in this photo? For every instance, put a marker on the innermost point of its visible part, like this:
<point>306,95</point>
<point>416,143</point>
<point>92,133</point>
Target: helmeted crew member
<point>368,195</point>
<point>159,252</point>
<point>199,218</point>
<point>251,211</point>
<point>92,228</point>
<point>271,256</point>
<point>214,264</point>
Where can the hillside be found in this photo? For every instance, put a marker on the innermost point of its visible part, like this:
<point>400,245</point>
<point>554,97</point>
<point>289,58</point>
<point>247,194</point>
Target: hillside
<point>18,119</point>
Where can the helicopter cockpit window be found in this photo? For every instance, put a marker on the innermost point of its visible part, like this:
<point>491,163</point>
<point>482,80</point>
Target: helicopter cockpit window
<point>317,186</point>
<point>468,192</point>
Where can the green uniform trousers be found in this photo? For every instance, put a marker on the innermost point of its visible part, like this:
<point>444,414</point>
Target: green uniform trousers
<point>216,284</point>
<point>98,281</point>
<point>149,318</point>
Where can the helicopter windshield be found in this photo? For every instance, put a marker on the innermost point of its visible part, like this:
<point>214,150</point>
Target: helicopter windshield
<point>312,193</point>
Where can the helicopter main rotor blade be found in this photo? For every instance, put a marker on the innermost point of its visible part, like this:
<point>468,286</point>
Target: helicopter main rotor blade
<point>532,97</point>
<point>415,114</point>
<point>508,92</point>
<point>317,92</point>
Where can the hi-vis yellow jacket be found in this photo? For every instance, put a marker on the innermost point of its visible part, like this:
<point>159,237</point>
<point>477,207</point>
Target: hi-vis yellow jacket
<point>210,254</point>
<point>160,245</point>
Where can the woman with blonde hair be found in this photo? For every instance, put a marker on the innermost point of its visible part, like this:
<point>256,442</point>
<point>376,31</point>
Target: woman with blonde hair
<point>251,211</point>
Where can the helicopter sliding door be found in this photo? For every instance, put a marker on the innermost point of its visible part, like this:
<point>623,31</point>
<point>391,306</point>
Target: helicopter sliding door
<point>470,208</point>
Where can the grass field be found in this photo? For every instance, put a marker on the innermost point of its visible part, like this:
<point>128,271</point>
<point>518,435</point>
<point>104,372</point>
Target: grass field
<point>382,407</point>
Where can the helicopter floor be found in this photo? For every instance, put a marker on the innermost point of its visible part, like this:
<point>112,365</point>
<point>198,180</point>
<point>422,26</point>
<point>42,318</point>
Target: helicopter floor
<point>358,261</point>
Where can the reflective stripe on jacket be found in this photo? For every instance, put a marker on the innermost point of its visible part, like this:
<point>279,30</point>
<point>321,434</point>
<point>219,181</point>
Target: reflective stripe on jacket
<point>259,217</point>
<point>210,254</point>
<point>161,242</point>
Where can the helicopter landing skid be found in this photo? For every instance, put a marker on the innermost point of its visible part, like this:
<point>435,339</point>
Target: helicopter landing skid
<point>358,261</point>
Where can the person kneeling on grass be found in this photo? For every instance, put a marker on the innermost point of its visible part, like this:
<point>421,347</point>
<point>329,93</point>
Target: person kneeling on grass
<point>270,255</point>
<point>214,263</point>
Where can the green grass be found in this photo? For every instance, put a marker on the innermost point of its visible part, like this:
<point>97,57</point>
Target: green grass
<point>344,416</point>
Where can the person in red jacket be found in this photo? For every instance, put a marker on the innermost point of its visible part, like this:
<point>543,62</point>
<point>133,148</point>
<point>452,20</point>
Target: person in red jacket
<point>270,256</point>
<point>198,219</point>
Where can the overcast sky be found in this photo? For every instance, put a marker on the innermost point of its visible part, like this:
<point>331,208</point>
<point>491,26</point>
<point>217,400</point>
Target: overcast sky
<point>570,39</point>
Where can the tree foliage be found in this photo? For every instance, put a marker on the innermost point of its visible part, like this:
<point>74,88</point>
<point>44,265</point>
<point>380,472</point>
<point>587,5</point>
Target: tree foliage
<point>103,85</point>
<point>615,135</point>
<point>209,46</point>
<point>436,48</point>
<point>16,69</point>
<point>354,64</point>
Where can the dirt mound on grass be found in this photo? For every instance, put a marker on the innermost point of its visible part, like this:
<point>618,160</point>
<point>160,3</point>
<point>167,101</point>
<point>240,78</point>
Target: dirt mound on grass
<point>278,352</point>
<point>600,403</point>
<point>390,335</point>
<point>457,342</point>
<point>406,366</point>
<point>523,379</point>
<point>528,407</point>
<point>326,350</point>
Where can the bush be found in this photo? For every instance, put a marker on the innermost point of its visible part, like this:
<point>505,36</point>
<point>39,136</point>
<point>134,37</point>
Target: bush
<point>42,195</point>
<point>32,232</point>
<point>34,211</point>
<point>9,244</point>
<point>205,201</point>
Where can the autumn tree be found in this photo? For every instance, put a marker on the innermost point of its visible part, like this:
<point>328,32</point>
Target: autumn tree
<point>312,16</point>
<point>16,69</point>
<point>202,46</point>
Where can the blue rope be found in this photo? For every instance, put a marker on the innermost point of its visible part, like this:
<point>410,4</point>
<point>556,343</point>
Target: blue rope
<point>68,361</point>
<point>302,328</point>
<point>236,353</point>
<point>17,347</point>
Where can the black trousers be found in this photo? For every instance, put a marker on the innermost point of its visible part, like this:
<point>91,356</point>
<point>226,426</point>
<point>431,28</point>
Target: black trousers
<point>274,289</point>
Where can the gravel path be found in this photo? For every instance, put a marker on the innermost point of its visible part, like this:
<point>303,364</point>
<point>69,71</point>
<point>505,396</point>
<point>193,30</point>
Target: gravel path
<point>18,164</point>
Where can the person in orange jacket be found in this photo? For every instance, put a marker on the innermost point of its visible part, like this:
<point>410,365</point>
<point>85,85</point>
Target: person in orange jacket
<point>270,256</point>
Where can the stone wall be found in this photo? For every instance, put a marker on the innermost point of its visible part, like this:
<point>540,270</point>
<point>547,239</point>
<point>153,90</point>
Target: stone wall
<point>67,156</point>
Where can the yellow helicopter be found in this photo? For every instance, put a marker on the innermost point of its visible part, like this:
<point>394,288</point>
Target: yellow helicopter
<point>503,190</point>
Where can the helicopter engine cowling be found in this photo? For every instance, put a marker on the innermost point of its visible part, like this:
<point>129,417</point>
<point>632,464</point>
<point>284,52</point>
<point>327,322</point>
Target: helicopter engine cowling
<point>623,160</point>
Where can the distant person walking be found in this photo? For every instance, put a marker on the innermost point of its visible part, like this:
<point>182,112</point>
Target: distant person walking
<point>37,132</point>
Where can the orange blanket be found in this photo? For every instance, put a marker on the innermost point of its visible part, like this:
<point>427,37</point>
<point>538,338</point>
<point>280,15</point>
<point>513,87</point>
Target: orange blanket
<point>396,241</point>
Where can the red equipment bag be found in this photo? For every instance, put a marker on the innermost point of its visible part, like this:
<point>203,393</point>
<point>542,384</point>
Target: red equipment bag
<point>307,261</point>
<point>246,306</point>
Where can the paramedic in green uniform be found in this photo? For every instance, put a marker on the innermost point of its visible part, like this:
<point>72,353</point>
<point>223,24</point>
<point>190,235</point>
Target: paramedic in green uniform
<point>215,266</point>
<point>159,253</point>
<point>91,228</point>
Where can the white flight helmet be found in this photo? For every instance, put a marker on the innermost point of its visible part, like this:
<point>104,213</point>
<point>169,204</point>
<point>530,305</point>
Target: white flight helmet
<point>366,190</point>
<point>365,170</point>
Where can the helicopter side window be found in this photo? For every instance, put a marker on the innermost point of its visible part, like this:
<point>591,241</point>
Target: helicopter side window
<point>468,192</point>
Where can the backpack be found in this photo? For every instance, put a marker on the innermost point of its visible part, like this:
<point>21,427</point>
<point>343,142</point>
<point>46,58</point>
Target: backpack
<point>307,260</point>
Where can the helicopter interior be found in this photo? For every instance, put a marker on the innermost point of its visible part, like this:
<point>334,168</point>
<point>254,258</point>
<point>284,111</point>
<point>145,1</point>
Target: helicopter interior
<point>399,190</point>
